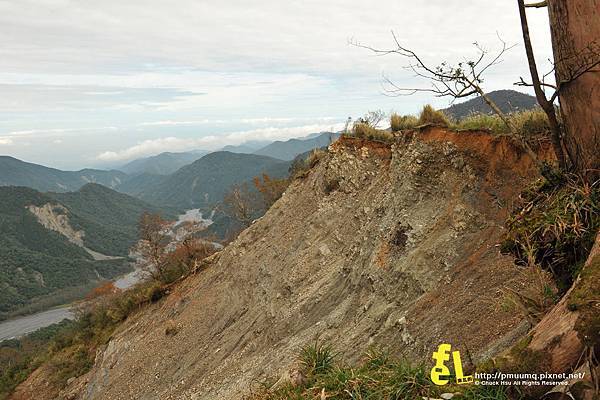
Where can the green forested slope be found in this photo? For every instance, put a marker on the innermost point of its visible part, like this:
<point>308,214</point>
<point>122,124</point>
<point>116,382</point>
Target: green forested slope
<point>41,265</point>
<point>14,172</point>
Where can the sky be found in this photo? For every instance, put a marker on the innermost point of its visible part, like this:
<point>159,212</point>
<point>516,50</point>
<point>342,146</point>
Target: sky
<point>87,83</point>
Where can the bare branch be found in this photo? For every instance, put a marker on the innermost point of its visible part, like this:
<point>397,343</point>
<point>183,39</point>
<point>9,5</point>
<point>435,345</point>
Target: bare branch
<point>537,5</point>
<point>522,82</point>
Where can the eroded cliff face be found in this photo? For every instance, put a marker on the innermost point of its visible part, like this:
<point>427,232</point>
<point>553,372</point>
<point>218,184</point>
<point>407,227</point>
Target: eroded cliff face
<point>395,247</point>
<point>55,217</point>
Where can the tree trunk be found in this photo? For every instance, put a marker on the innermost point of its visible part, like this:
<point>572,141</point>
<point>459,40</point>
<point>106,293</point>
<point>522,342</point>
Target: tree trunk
<point>555,130</point>
<point>555,335</point>
<point>574,25</point>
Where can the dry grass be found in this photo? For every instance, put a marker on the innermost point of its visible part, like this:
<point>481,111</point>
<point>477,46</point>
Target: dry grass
<point>365,131</point>
<point>314,157</point>
<point>529,123</point>
<point>533,300</point>
<point>377,377</point>
<point>555,226</point>
<point>430,115</point>
<point>403,122</point>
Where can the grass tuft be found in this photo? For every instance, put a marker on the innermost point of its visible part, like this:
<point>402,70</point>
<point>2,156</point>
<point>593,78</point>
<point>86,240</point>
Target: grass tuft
<point>555,227</point>
<point>365,131</point>
<point>403,122</point>
<point>430,115</point>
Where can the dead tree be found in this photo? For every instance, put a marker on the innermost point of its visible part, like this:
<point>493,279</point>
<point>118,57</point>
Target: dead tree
<point>576,46</point>
<point>448,80</point>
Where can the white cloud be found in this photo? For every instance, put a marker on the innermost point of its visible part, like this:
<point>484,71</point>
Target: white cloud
<point>155,146</point>
<point>175,123</point>
<point>5,141</point>
<point>87,64</point>
<point>37,133</point>
<point>247,121</point>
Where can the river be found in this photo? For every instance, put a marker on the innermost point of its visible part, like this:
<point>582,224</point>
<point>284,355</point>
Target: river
<point>19,326</point>
<point>23,325</point>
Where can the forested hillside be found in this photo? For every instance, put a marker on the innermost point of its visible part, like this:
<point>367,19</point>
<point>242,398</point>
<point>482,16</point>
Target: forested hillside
<point>109,218</point>
<point>40,266</point>
<point>14,172</point>
<point>203,183</point>
<point>508,101</point>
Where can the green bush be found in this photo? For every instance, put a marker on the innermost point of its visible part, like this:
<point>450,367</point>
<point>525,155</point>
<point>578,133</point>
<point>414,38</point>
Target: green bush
<point>430,115</point>
<point>403,122</point>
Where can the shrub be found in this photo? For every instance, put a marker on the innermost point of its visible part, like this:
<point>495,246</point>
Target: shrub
<point>271,189</point>
<point>372,118</point>
<point>403,122</point>
<point>430,115</point>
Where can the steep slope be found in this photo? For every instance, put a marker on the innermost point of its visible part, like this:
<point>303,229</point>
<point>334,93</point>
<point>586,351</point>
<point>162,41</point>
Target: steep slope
<point>14,172</point>
<point>508,101</point>
<point>388,246</point>
<point>289,149</point>
<point>203,183</point>
<point>161,164</point>
<point>54,245</point>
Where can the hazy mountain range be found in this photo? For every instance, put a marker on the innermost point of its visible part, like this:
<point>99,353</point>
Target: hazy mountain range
<point>161,164</point>
<point>289,149</point>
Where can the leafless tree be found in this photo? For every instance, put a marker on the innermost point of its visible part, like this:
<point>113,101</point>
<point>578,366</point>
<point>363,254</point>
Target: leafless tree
<point>241,203</point>
<point>577,63</point>
<point>372,118</point>
<point>154,235</point>
<point>460,80</point>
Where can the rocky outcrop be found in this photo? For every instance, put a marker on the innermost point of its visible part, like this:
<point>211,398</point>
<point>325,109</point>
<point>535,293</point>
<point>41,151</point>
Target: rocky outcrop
<point>389,246</point>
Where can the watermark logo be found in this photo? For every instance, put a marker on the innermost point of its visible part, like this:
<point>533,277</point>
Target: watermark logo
<point>440,373</point>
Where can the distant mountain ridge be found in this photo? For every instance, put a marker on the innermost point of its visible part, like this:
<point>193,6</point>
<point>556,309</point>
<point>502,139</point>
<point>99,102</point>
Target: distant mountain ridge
<point>507,100</point>
<point>204,182</point>
<point>289,149</point>
<point>14,172</point>
<point>161,164</point>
